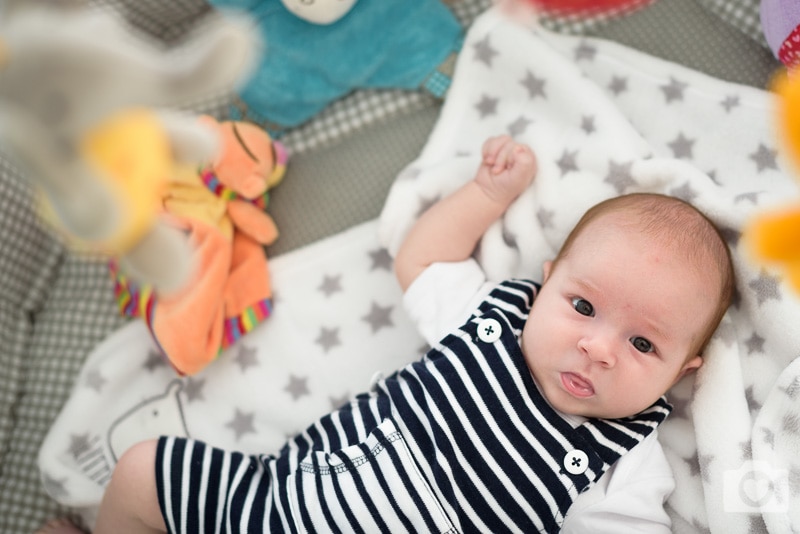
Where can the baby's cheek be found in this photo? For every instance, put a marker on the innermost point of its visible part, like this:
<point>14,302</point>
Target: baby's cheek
<point>531,345</point>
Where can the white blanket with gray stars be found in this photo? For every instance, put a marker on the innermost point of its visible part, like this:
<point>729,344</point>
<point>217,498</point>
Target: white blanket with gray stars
<point>337,322</point>
<point>606,120</point>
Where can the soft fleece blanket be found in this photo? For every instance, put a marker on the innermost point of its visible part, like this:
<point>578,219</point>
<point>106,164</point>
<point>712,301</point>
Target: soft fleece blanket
<point>604,120</point>
<point>336,325</point>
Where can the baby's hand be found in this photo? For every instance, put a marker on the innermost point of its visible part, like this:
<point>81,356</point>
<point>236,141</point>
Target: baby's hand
<point>507,169</point>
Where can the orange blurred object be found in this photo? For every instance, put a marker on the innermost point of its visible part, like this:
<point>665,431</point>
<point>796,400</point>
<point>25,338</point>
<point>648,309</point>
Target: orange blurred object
<point>787,86</point>
<point>774,236</point>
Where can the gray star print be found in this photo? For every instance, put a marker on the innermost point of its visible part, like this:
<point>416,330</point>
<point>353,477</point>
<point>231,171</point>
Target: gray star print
<point>518,127</point>
<point>791,423</point>
<point>487,106</point>
<point>545,218</point>
<point>381,259</point>
<point>769,436</point>
<point>755,343</point>
<point>484,51</point>
<point>154,361</point>
<point>752,197</point>
<point>682,146</point>
<point>585,51</point>
<point>509,238</point>
<point>766,287</point>
<point>619,175</point>
<point>55,487</point>
<point>95,380</point>
<point>338,402</point>
<point>726,334</point>
<point>587,124</point>
<point>705,461</point>
<point>693,464</point>
<point>618,85</point>
<point>379,317</point>
<point>684,192</point>
<point>246,357</point>
<point>567,162</point>
<point>793,389</point>
<point>331,285</point>
<point>794,480</point>
<point>674,90</point>
<point>242,423</point>
<point>534,85</point>
<point>730,102</point>
<point>78,444</point>
<point>747,450</point>
<point>328,338</point>
<point>193,388</point>
<point>749,396</point>
<point>297,386</point>
<point>765,158</point>
<point>757,525</point>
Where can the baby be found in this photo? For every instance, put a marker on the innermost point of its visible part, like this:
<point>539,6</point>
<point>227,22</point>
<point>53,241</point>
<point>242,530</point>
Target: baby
<point>537,414</point>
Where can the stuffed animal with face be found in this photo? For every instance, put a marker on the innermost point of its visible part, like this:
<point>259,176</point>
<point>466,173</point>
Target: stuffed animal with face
<point>317,51</point>
<point>220,205</point>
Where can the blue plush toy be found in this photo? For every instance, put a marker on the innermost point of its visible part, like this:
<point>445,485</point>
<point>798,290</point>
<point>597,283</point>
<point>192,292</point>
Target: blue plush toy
<point>308,62</point>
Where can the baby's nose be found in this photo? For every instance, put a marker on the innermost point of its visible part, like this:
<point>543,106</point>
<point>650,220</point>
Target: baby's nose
<point>599,348</point>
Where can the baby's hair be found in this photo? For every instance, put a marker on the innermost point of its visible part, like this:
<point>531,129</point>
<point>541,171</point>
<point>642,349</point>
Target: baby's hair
<point>679,224</point>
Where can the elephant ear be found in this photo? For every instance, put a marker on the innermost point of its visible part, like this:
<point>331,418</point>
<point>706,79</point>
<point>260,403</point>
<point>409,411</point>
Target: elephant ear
<point>218,57</point>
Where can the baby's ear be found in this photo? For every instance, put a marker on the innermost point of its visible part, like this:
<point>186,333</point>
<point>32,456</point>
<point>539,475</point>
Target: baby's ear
<point>546,268</point>
<point>692,365</point>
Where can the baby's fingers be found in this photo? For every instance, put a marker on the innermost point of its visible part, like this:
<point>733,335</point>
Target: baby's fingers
<point>492,146</point>
<point>505,157</point>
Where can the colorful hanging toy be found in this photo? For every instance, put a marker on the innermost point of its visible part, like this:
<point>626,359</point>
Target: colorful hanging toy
<point>774,236</point>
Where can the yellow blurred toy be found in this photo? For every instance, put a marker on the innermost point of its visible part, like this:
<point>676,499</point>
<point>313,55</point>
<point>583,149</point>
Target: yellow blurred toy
<point>774,237</point>
<point>78,111</point>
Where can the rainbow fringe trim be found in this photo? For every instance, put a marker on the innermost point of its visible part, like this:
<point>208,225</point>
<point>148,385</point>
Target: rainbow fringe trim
<point>236,327</point>
<point>132,299</point>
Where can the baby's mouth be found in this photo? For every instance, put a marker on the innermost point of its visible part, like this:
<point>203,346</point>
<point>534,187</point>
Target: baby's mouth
<point>576,385</point>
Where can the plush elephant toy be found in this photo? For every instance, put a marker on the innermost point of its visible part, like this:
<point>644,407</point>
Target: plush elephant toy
<point>81,101</point>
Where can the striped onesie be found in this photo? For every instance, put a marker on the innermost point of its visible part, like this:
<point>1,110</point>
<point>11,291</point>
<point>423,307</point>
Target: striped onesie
<point>460,441</point>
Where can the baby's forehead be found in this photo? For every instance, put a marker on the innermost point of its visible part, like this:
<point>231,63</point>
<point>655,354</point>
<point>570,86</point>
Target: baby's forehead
<point>683,231</point>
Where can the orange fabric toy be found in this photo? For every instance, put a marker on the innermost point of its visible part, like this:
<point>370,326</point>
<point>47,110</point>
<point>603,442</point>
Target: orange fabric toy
<point>221,207</point>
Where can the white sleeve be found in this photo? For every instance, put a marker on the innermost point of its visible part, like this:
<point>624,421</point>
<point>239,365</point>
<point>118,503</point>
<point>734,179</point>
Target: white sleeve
<point>443,297</point>
<point>629,497</point>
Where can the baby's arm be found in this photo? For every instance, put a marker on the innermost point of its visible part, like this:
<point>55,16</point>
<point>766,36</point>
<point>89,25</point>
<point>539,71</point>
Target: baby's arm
<point>451,228</point>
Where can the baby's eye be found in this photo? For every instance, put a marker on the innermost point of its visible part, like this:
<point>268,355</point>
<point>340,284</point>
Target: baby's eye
<point>584,307</point>
<point>641,344</point>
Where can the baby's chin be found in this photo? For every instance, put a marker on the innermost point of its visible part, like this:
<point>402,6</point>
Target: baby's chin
<point>590,408</point>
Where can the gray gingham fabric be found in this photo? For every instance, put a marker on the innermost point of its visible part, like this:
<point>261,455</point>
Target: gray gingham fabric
<point>55,307</point>
<point>741,14</point>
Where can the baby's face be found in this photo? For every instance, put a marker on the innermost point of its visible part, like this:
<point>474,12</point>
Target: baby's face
<point>615,322</point>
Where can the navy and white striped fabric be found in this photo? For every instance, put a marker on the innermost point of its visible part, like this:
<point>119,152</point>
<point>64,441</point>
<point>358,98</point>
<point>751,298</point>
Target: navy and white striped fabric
<point>461,441</point>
